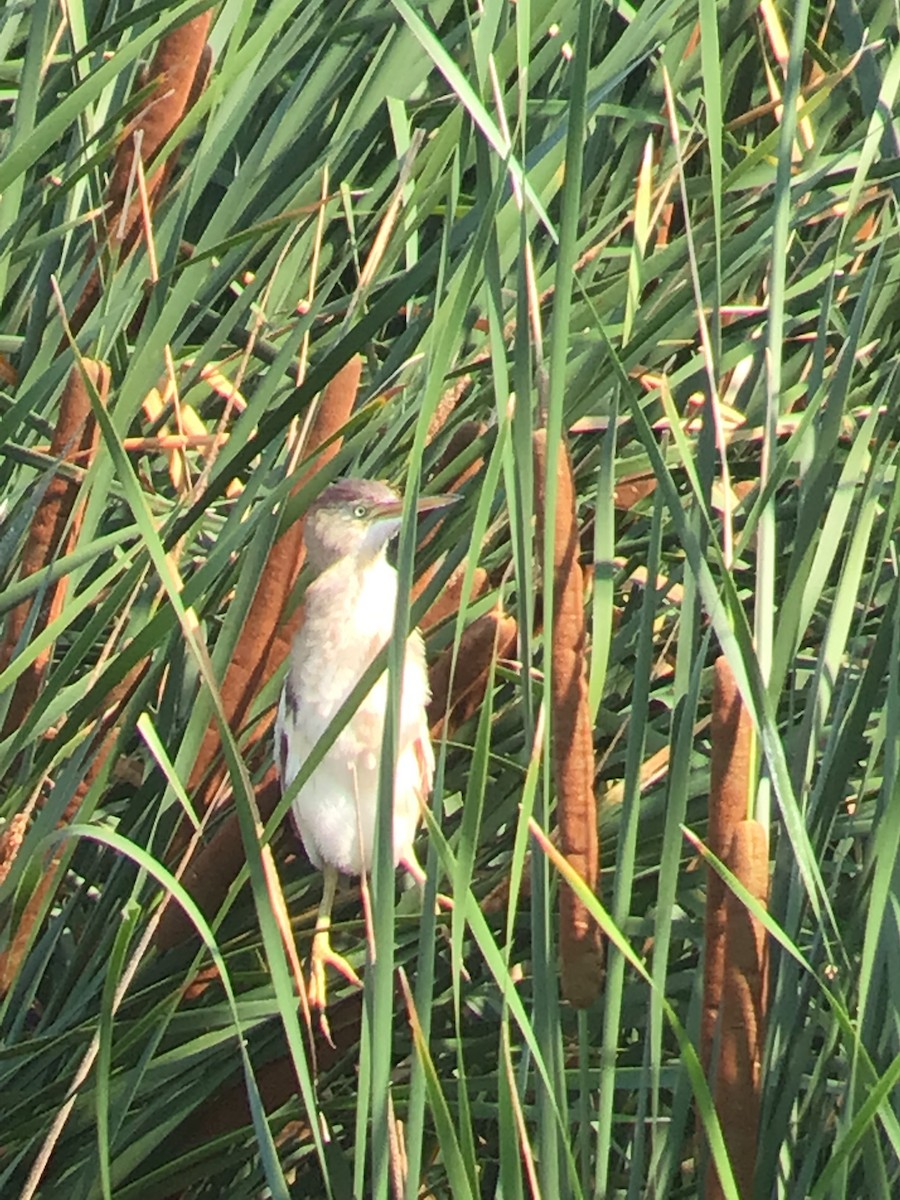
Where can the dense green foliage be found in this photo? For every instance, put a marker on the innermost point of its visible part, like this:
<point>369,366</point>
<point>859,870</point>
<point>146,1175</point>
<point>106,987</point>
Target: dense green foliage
<point>555,243</point>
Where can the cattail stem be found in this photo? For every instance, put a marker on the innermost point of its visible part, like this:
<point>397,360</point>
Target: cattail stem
<point>735,967</point>
<point>457,695</point>
<point>729,798</point>
<point>571,727</point>
<point>266,638</point>
<point>13,954</point>
<point>177,76</point>
<point>53,532</point>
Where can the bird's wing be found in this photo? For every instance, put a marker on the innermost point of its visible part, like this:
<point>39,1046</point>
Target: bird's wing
<point>281,744</point>
<point>416,694</point>
<point>425,758</point>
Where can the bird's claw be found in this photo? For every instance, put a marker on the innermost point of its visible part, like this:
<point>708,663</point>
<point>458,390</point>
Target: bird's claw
<point>322,956</point>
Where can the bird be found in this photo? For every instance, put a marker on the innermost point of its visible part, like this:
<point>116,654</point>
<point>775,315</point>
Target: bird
<point>349,610</point>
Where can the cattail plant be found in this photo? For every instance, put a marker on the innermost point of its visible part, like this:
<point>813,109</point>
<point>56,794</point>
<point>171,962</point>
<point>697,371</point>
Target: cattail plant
<point>261,648</point>
<point>732,1029</point>
<point>570,725</point>
<point>174,80</point>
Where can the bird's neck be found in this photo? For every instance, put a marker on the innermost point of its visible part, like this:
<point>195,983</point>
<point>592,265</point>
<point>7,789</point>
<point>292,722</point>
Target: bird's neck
<point>358,591</point>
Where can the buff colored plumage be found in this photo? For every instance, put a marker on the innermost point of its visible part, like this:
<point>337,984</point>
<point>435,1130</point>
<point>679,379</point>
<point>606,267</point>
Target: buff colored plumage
<point>349,618</point>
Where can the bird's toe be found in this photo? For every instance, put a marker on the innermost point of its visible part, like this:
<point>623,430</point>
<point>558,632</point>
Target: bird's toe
<point>324,955</point>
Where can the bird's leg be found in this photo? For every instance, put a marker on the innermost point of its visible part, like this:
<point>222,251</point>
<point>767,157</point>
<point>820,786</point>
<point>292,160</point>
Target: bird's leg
<point>414,868</point>
<point>322,954</point>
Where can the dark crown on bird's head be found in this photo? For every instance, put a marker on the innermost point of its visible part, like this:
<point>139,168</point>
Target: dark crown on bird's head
<point>348,492</point>
<point>343,522</point>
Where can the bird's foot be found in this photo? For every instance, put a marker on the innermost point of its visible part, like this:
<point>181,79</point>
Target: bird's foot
<point>322,956</point>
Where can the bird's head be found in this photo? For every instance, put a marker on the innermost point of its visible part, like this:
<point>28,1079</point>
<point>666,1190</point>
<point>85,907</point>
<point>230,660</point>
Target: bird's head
<point>356,518</point>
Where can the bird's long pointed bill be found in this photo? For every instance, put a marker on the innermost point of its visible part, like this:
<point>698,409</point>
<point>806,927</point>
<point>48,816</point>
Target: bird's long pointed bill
<point>425,504</point>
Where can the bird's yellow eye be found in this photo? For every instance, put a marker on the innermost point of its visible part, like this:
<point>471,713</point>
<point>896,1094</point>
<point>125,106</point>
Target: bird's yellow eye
<point>360,511</point>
